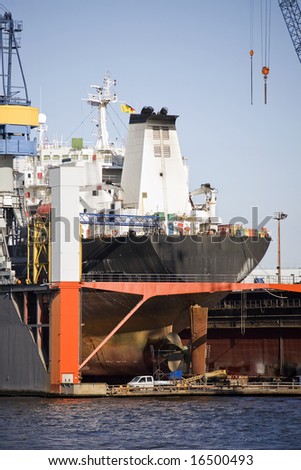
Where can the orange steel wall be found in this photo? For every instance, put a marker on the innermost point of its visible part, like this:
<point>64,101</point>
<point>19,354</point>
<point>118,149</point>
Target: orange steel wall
<point>260,351</point>
<point>64,333</point>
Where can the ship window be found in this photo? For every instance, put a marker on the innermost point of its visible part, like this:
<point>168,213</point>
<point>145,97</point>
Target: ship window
<point>165,133</point>
<point>157,150</point>
<point>107,159</point>
<point>85,157</point>
<point>55,157</point>
<point>95,193</point>
<point>156,133</point>
<point>28,175</point>
<point>166,151</point>
<point>46,157</point>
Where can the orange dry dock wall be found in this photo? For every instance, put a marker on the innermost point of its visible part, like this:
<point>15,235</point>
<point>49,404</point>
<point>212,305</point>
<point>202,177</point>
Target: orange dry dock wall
<point>64,334</point>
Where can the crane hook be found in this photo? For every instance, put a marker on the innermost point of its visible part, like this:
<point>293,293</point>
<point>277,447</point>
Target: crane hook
<point>265,71</point>
<point>251,58</point>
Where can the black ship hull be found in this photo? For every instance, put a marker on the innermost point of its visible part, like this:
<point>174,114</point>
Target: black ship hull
<point>215,258</point>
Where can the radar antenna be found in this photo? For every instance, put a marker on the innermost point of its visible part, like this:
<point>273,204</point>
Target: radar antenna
<point>101,99</point>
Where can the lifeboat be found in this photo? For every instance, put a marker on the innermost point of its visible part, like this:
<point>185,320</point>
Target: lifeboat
<point>44,210</point>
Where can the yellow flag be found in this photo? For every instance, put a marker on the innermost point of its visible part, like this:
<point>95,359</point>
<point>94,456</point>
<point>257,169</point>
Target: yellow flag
<point>125,108</point>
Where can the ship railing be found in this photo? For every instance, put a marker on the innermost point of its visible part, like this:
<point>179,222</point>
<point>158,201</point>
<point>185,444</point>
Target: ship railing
<point>269,303</point>
<point>271,386</point>
<point>165,277</point>
<point>4,100</point>
<point>134,277</point>
<point>123,220</point>
<point>272,279</point>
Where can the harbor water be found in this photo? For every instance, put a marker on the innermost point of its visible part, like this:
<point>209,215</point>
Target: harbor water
<point>150,423</point>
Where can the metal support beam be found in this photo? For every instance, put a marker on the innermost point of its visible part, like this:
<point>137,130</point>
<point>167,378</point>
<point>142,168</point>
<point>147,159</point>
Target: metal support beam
<point>198,327</point>
<point>171,288</point>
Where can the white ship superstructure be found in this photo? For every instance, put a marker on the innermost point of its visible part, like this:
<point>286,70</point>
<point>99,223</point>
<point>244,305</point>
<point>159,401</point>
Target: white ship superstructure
<point>142,188</point>
<point>155,176</point>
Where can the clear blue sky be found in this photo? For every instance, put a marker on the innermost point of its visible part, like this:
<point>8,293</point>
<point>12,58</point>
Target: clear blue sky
<point>191,56</point>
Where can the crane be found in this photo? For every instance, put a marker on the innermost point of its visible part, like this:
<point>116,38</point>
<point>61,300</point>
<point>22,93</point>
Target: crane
<point>17,118</point>
<point>292,16</point>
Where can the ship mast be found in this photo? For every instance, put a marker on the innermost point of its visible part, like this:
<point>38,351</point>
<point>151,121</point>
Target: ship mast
<point>101,99</point>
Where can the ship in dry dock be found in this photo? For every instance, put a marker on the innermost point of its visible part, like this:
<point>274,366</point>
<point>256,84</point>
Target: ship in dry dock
<point>151,232</point>
<point>138,221</point>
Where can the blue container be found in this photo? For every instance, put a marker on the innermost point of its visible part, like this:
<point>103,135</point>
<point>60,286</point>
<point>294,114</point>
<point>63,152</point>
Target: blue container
<point>176,375</point>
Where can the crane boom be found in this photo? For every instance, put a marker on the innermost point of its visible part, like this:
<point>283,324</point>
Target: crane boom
<point>9,47</point>
<point>292,17</point>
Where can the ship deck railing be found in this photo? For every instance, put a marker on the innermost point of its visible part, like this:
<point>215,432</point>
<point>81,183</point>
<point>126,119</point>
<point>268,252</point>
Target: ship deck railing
<point>165,277</point>
<point>271,302</point>
<point>143,277</point>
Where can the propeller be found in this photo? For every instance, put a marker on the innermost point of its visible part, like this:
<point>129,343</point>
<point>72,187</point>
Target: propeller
<point>178,352</point>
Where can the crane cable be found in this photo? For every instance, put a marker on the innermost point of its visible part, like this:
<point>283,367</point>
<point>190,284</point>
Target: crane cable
<point>251,44</point>
<point>265,42</point>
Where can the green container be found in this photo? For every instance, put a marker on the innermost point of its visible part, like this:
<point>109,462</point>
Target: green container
<point>77,143</point>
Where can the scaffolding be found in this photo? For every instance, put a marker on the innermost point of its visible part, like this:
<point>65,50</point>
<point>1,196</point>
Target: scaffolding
<point>38,250</point>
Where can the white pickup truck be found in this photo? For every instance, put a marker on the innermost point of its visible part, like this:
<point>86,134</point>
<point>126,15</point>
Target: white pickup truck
<point>147,381</point>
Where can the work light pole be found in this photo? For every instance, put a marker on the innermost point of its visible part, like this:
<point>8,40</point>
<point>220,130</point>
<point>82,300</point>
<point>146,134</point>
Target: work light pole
<point>279,216</point>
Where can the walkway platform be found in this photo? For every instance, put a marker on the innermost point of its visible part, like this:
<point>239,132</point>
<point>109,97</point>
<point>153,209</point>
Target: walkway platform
<point>260,389</point>
<point>90,390</point>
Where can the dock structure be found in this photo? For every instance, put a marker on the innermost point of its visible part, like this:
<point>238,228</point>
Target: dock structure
<point>256,389</point>
<point>35,321</point>
<point>192,387</point>
<point>42,322</point>
<point>147,290</point>
<point>46,319</point>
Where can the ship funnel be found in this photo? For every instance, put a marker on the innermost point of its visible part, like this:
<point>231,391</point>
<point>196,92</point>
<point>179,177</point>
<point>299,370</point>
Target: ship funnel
<point>147,110</point>
<point>164,111</point>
